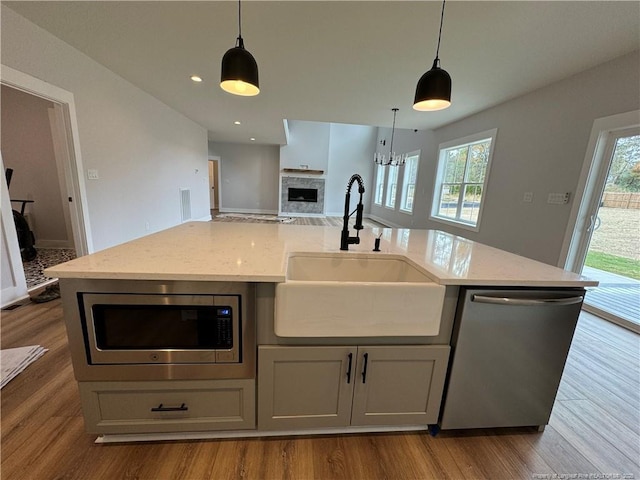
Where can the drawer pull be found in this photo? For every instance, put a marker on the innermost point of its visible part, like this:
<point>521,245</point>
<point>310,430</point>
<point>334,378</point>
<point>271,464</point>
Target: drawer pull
<point>162,408</point>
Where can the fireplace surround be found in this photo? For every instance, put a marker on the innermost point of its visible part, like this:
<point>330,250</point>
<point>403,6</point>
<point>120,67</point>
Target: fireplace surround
<point>302,195</point>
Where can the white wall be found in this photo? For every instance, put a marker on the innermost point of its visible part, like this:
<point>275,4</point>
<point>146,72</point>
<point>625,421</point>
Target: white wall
<point>351,149</point>
<point>27,147</point>
<point>308,145</point>
<point>249,177</point>
<point>143,150</point>
<point>540,147</point>
<point>250,174</point>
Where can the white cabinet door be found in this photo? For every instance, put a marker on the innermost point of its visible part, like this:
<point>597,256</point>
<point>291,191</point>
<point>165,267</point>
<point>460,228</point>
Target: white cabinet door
<point>339,386</point>
<point>304,387</point>
<point>399,385</point>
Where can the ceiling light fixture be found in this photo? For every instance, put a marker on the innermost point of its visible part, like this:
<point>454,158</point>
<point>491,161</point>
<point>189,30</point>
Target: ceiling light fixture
<point>434,87</point>
<point>393,160</point>
<point>239,74</point>
<point>237,122</point>
<point>196,78</point>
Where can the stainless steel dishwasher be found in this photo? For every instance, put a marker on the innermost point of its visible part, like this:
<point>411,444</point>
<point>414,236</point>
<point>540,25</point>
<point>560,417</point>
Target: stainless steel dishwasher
<point>509,348</point>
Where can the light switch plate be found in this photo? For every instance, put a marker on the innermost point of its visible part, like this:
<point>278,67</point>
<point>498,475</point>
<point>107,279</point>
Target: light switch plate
<point>558,198</point>
<point>92,174</point>
<point>527,197</point>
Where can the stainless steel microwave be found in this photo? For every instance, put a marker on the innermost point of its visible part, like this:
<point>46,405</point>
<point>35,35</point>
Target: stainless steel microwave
<point>140,329</point>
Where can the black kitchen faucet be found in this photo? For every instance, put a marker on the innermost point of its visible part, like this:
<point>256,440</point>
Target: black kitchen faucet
<point>345,239</point>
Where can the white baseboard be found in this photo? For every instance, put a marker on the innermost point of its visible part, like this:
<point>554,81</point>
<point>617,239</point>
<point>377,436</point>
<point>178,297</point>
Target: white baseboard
<point>54,244</point>
<point>155,437</point>
<point>206,218</point>
<point>10,296</point>
<point>385,222</point>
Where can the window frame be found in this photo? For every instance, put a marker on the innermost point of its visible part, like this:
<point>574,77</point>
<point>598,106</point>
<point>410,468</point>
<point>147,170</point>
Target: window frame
<point>380,169</point>
<point>391,193</point>
<point>403,193</point>
<point>443,148</point>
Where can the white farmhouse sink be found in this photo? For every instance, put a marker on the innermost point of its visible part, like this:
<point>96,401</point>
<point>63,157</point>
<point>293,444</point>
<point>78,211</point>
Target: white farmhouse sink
<point>342,295</point>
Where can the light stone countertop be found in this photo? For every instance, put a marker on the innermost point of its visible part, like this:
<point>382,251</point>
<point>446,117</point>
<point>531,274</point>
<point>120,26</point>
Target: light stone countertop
<point>250,252</point>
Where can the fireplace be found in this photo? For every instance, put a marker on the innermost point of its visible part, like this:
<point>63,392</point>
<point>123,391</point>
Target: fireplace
<point>303,194</point>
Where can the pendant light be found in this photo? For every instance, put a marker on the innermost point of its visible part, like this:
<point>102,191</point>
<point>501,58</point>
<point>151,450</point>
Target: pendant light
<point>393,160</point>
<point>434,87</point>
<point>239,74</point>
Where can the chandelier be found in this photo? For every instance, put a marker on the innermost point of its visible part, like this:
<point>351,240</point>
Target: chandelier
<point>394,160</point>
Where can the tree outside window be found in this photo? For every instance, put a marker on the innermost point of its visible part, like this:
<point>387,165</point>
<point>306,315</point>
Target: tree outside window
<point>463,168</point>
<point>392,185</point>
<point>409,182</point>
<point>378,194</point>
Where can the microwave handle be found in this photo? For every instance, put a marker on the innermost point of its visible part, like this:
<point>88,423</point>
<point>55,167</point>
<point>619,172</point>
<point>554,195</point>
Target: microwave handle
<point>162,408</point>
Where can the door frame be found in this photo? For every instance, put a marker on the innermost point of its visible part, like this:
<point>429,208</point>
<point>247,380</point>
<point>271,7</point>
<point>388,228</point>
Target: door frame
<point>73,168</point>
<point>219,191</point>
<point>590,187</point>
<point>216,181</point>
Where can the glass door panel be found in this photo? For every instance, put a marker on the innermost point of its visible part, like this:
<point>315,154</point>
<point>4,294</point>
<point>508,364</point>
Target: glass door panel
<point>613,255</point>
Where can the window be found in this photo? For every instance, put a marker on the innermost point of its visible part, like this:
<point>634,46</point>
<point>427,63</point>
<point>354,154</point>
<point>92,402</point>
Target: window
<point>463,169</point>
<point>377,198</point>
<point>409,182</point>
<point>392,185</point>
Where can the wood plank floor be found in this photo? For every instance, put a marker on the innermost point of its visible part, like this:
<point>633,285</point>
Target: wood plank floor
<point>318,221</point>
<point>594,429</point>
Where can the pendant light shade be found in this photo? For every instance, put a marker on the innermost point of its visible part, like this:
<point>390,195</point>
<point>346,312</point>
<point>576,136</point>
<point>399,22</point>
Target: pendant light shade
<point>433,91</point>
<point>239,72</point>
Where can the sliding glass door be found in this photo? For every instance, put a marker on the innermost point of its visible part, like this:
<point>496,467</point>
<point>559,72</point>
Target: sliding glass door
<point>612,253</point>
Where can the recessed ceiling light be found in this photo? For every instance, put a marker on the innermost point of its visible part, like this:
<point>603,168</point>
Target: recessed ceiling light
<point>196,78</point>
<point>237,122</point>
<point>252,139</point>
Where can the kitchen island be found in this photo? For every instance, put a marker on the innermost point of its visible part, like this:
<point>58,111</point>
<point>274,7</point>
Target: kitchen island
<point>272,384</point>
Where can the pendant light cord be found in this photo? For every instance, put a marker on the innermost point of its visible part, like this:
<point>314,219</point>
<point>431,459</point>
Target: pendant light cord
<point>393,129</point>
<point>440,31</point>
<point>240,22</point>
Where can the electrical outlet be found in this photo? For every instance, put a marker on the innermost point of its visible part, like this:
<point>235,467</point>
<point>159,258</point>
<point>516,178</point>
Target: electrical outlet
<point>92,174</point>
<point>527,197</point>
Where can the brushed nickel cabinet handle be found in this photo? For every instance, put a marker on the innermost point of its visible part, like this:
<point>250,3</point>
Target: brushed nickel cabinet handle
<point>527,302</point>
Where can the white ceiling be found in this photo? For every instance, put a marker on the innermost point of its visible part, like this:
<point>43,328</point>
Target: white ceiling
<point>339,61</point>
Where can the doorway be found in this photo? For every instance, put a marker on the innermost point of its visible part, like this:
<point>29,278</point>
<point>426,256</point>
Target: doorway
<point>34,161</point>
<point>607,248</point>
<point>61,122</point>
<point>214,186</point>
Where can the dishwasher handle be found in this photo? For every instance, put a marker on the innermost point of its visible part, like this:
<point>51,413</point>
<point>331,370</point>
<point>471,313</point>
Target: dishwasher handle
<point>527,302</point>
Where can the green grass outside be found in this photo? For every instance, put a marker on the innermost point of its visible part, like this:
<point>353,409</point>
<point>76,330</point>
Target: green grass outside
<point>614,264</point>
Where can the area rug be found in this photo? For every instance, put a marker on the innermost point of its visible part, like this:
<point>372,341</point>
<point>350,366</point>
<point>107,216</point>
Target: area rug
<point>15,360</point>
<point>247,217</point>
<point>47,257</point>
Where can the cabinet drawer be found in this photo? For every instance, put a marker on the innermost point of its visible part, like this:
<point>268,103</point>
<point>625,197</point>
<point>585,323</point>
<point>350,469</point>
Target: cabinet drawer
<point>171,406</point>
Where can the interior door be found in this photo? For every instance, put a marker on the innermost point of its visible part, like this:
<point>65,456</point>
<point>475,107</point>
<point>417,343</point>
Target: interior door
<point>13,282</point>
